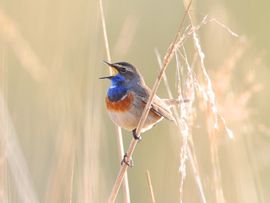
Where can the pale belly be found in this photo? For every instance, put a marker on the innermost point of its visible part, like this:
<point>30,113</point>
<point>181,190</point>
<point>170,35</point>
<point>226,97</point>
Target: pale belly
<point>129,119</point>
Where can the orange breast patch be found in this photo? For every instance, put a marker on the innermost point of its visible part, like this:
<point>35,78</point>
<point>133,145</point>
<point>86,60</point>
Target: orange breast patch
<point>123,105</point>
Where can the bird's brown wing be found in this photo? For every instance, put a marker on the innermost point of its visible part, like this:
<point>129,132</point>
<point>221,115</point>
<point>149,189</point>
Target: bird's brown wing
<point>160,108</point>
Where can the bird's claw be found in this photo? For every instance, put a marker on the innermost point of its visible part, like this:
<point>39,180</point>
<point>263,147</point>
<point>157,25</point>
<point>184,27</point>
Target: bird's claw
<point>127,161</point>
<point>135,136</point>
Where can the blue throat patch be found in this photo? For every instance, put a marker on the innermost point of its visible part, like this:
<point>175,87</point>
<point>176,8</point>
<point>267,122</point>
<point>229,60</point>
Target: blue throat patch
<point>117,89</point>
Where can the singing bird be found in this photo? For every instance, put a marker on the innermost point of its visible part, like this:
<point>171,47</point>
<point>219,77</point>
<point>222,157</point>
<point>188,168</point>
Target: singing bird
<point>127,97</point>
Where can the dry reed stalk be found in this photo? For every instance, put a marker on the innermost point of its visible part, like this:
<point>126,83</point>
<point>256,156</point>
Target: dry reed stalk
<point>71,182</point>
<point>15,157</point>
<point>239,111</point>
<point>186,114</point>
<point>91,178</point>
<point>2,171</point>
<point>3,162</point>
<point>184,129</point>
<point>33,65</point>
<point>126,36</point>
<point>217,181</point>
<point>60,181</point>
<point>118,130</point>
<point>212,114</point>
<point>167,58</point>
<point>149,182</point>
<point>209,92</point>
<point>21,47</point>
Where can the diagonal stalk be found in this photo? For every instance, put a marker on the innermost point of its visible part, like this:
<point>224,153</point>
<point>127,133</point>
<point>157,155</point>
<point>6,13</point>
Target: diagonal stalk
<point>133,143</point>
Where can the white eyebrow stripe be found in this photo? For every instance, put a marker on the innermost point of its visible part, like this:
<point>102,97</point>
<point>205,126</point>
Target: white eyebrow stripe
<point>120,66</point>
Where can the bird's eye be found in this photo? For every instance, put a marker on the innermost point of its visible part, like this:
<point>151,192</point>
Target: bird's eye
<point>122,70</point>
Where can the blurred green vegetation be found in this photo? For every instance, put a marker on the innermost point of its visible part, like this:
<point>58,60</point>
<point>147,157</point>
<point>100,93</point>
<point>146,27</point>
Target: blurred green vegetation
<point>56,102</point>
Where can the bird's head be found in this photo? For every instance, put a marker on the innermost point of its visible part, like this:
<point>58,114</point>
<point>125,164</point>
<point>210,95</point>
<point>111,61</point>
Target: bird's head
<point>123,73</point>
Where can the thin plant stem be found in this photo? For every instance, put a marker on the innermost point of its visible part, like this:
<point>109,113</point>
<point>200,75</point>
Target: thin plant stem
<point>187,152</point>
<point>150,186</point>
<point>212,115</point>
<point>132,146</point>
<point>192,156</point>
<point>26,55</point>
<point>197,177</point>
<point>117,129</point>
<point>14,155</point>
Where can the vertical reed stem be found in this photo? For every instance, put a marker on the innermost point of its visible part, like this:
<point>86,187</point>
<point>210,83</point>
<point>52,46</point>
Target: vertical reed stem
<point>117,129</point>
<point>150,186</point>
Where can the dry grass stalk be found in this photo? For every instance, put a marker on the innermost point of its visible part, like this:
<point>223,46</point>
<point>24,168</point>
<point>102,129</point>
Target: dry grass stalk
<point>126,36</point>
<point>213,116</point>
<point>117,129</point>
<point>133,143</point>
<point>189,92</point>
<point>2,171</point>
<point>150,186</point>
<point>3,162</point>
<point>15,157</point>
<point>209,92</point>
<point>60,181</point>
<point>10,148</point>
<point>237,108</point>
<point>21,47</point>
<point>183,126</point>
<point>191,31</point>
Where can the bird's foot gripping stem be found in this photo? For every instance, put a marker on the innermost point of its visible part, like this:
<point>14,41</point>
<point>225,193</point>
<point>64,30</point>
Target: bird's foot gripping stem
<point>127,161</point>
<point>135,136</point>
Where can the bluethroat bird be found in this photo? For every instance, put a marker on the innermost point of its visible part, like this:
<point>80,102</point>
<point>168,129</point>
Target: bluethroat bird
<point>127,97</point>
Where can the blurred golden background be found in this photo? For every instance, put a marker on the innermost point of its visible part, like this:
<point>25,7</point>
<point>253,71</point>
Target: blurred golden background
<point>57,143</point>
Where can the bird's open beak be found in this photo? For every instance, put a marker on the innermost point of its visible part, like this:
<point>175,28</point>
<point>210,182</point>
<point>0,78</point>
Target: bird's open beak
<point>106,77</point>
<point>114,70</point>
<point>113,67</point>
